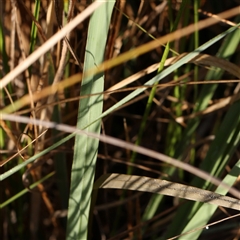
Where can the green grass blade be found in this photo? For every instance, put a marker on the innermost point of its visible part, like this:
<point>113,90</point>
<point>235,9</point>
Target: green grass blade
<point>24,191</point>
<point>206,211</point>
<point>227,49</point>
<point>203,100</point>
<point>35,157</point>
<point>156,199</point>
<point>3,48</point>
<point>169,70</point>
<point>85,149</point>
<point>218,160</point>
<point>226,141</point>
<point>34,28</point>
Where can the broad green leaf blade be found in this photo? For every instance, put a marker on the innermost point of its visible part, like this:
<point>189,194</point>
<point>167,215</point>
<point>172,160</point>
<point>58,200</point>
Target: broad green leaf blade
<point>86,149</point>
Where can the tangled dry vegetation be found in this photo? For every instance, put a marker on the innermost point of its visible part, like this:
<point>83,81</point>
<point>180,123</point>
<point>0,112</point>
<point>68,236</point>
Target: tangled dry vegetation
<point>177,124</point>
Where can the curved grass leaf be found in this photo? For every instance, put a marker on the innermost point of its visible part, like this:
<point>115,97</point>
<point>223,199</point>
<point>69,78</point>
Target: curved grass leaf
<point>152,185</point>
<point>228,48</point>
<point>205,212</point>
<point>226,141</point>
